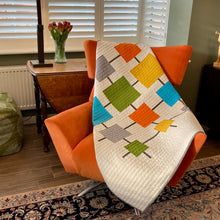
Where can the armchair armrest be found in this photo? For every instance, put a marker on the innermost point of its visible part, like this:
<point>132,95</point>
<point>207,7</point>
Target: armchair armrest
<point>67,129</point>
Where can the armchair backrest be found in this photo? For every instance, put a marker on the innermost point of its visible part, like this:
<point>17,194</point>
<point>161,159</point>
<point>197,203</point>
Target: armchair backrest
<point>173,59</point>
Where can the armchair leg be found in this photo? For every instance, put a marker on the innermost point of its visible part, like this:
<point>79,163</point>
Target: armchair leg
<point>137,212</point>
<point>89,189</point>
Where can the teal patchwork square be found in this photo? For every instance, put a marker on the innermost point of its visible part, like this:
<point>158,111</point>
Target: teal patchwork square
<point>168,94</point>
<point>121,94</point>
<point>99,113</point>
<point>136,148</point>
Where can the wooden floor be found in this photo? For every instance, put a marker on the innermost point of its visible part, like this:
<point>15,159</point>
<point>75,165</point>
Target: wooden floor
<point>32,169</point>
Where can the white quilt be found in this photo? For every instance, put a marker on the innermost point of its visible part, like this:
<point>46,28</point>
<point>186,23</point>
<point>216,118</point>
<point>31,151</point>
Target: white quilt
<point>142,128</point>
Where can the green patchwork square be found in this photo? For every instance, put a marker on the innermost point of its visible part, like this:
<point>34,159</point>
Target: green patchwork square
<point>136,148</point>
<point>121,94</point>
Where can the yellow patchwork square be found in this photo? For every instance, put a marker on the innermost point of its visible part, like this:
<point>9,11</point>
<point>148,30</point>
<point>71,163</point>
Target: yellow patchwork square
<point>147,71</point>
<point>163,125</point>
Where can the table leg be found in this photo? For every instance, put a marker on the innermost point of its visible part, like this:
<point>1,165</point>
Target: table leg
<point>45,134</point>
<point>37,102</point>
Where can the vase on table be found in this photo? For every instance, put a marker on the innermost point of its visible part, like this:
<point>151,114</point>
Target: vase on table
<point>60,56</point>
<point>59,32</point>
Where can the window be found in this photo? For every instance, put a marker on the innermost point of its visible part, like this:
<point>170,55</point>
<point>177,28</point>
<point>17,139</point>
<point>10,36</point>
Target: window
<point>114,20</point>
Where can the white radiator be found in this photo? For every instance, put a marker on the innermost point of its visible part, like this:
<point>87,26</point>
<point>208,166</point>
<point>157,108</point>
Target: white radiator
<point>18,82</point>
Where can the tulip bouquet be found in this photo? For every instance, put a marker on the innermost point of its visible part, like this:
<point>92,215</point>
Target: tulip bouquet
<point>59,32</point>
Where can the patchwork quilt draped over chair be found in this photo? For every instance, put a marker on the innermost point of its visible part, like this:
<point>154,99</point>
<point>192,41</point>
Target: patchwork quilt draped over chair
<point>142,127</point>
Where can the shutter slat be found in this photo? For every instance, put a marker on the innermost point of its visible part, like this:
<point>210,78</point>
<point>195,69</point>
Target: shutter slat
<point>71,11</point>
<point>81,14</point>
<point>81,34</point>
<point>73,15</point>
<point>155,16</point>
<point>159,23</point>
<point>71,2</point>
<point>18,36</point>
<point>121,4</point>
<point>19,29</point>
<point>155,36</point>
<point>121,10</point>
<point>80,28</point>
<point>120,22</point>
<point>115,32</point>
<point>78,21</point>
<point>17,14</point>
<point>22,22</point>
<point>7,9</point>
<point>120,16</point>
<point>26,3</point>
<point>121,26</point>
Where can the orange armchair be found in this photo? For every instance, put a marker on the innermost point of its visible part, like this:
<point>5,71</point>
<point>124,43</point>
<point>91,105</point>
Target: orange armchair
<point>71,130</point>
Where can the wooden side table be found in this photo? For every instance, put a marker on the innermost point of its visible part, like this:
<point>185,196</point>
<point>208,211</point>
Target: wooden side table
<point>208,105</point>
<point>62,86</point>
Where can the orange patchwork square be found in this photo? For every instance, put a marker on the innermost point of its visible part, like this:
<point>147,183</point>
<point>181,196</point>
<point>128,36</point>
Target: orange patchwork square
<point>144,115</point>
<point>128,51</point>
<point>163,125</point>
<point>147,71</point>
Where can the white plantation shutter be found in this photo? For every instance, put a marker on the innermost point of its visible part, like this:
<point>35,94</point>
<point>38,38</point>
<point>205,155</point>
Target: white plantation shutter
<point>155,21</point>
<point>113,20</point>
<point>120,20</point>
<point>18,20</point>
<point>81,14</point>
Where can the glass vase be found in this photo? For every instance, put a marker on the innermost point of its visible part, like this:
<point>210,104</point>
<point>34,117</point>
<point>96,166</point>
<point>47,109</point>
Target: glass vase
<point>60,56</point>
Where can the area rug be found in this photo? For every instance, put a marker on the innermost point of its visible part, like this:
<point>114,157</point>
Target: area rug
<point>197,196</point>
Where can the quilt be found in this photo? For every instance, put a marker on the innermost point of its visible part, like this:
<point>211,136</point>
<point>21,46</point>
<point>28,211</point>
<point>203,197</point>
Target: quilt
<point>142,127</point>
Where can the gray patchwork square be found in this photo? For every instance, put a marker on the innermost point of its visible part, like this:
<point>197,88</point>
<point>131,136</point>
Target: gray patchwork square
<point>115,133</point>
<point>103,68</point>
